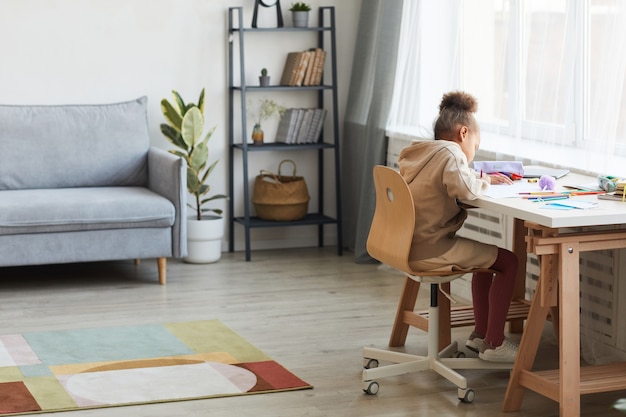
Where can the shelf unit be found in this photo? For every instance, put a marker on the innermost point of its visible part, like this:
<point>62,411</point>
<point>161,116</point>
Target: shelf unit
<point>328,144</point>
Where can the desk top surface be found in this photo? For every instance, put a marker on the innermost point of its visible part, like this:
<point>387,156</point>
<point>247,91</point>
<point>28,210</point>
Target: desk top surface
<point>607,212</point>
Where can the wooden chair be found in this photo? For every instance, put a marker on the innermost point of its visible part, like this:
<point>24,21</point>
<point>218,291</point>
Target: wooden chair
<point>389,241</point>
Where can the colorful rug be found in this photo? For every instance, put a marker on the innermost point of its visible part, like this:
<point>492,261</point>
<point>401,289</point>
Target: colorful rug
<point>112,366</point>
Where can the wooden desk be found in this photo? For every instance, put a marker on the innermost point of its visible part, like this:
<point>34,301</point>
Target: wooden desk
<point>549,234</point>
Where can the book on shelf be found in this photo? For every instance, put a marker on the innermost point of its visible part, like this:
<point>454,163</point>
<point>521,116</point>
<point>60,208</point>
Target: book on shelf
<point>292,63</point>
<point>308,78</point>
<point>286,124</point>
<point>319,68</point>
<point>304,126</point>
<point>317,125</point>
<point>303,68</point>
<point>300,126</point>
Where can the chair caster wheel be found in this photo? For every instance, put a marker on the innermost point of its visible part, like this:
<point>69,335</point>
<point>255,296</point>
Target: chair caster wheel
<point>370,363</point>
<point>466,395</point>
<point>372,388</point>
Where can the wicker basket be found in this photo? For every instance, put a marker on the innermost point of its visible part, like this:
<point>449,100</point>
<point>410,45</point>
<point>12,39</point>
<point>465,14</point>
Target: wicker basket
<point>280,197</point>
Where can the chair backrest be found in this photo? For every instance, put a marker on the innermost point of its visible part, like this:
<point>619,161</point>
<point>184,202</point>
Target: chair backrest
<point>391,232</point>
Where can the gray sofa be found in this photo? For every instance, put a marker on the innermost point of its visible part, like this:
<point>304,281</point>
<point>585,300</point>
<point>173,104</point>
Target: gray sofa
<point>81,183</point>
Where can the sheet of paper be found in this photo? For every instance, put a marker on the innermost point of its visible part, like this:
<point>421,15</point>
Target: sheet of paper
<point>571,203</point>
<point>512,190</point>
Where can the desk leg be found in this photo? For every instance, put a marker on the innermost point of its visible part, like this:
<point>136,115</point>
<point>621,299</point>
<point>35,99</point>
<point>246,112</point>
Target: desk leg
<point>531,337</point>
<point>519,249</point>
<point>569,319</point>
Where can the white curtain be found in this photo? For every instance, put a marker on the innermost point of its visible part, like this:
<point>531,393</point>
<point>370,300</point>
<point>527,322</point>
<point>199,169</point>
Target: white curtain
<point>548,75</point>
<point>427,65</point>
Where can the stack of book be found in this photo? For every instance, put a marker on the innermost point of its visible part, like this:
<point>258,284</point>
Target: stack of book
<point>619,189</point>
<point>304,68</point>
<point>298,126</point>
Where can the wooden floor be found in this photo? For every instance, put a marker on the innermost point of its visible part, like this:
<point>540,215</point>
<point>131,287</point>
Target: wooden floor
<point>308,309</point>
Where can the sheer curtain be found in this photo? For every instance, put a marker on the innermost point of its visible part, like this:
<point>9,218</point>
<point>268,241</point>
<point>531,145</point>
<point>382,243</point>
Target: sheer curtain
<point>364,144</point>
<point>427,65</point>
<point>548,74</point>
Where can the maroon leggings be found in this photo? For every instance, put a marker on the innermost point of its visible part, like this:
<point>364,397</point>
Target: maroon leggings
<point>492,297</point>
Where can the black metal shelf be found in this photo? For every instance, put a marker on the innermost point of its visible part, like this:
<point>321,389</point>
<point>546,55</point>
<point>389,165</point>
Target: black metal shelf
<point>282,29</point>
<point>329,143</point>
<point>311,219</point>
<point>283,88</point>
<point>279,146</point>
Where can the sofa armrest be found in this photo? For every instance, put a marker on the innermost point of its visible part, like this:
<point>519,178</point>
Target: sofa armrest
<point>167,176</point>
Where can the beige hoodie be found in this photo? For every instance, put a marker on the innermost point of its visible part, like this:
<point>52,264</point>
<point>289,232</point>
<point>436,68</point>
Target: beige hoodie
<point>438,175</point>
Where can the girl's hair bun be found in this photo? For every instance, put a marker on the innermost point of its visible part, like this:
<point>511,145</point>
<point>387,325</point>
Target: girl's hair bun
<point>458,100</point>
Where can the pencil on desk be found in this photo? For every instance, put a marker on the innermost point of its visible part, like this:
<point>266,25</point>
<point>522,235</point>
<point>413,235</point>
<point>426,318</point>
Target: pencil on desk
<point>548,198</point>
<point>535,196</point>
<point>540,193</point>
<point>584,192</point>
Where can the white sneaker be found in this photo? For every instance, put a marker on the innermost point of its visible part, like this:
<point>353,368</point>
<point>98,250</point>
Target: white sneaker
<point>474,343</point>
<point>506,352</point>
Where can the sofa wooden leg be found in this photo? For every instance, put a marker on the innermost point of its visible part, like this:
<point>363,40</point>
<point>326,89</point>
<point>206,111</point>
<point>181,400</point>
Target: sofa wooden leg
<point>162,263</point>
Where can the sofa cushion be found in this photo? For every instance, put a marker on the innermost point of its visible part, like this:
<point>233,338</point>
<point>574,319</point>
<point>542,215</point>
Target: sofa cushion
<point>73,145</point>
<point>73,209</point>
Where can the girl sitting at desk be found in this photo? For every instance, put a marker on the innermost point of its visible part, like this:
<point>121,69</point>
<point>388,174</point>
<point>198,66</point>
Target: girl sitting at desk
<point>439,175</point>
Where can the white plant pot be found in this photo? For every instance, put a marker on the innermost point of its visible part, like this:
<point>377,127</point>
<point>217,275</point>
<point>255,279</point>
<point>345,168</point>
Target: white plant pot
<point>300,19</point>
<point>204,239</point>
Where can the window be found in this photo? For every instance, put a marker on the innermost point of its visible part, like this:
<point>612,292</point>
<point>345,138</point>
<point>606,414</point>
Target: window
<point>549,76</point>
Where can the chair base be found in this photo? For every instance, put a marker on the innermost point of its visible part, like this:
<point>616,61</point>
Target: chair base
<point>443,362</point>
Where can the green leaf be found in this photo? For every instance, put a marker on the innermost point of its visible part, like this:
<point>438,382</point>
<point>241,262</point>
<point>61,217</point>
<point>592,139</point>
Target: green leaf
<point>179,153</point>
<point>216,211</point>
<point>173,136</point>
<point>201,101</point>
<point>199,157</point>
<point>204,189</point>
<point>171,115</point>
<point>209,170</point>
<point>215,197</point>
<point>192,126</point>
<point>179,102</point>
<point>208,136</point>
<point>193,185</point>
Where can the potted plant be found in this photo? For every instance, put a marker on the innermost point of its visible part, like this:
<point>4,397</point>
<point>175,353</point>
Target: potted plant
<point>300,14</point>
<point>265,109</point>
<point>264,79</point>
<point>185,130</point>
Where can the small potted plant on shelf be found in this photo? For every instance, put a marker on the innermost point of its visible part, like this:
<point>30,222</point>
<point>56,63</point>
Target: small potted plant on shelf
<point>185,130</point>
<point>264,109</point>
<point>300,14</point>
<point>264,79</point>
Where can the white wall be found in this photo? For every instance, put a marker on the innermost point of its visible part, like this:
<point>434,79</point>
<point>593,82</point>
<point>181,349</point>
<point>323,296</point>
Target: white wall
<point>98,51</point>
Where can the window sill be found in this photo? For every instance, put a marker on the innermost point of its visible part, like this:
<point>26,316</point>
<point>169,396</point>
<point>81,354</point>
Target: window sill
<point>499,147</point>
<point>584,161</point>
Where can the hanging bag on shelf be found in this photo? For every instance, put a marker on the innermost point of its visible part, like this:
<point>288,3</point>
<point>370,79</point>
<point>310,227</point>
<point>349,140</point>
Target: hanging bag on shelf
<point>280,197</point>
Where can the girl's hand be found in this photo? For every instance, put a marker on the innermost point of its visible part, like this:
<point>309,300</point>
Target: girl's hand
<point>499,179</point>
